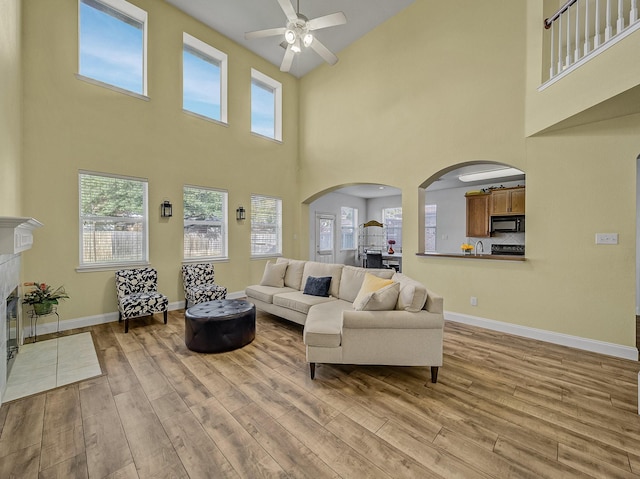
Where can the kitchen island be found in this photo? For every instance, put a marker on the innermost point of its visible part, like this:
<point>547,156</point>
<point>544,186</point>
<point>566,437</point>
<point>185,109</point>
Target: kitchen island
<point>498,257</point>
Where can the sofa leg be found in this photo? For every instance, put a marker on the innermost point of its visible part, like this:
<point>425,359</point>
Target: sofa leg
<point>119,317</point>
<point>165,317</point>
<point>312,369</point>
<point>434,374</point>
<point>186,302</point>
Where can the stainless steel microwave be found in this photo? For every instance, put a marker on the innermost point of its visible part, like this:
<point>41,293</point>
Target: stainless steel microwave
<point>507,224</point>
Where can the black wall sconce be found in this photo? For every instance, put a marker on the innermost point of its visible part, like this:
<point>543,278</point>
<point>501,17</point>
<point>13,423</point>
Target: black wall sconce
<point>166,209</point>
<point>241,213</point>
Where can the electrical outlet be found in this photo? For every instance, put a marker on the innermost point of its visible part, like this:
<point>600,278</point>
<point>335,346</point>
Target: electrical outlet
<point>606,238</point>
<point>474,301</point>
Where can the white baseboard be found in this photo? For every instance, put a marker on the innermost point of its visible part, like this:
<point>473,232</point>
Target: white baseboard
<point>66,324</point>
<point>610,349</point>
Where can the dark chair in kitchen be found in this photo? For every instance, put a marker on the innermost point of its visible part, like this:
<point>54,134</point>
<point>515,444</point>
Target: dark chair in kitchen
<point>199,285</point>
<point>374,260</point>
<point>138,296</point>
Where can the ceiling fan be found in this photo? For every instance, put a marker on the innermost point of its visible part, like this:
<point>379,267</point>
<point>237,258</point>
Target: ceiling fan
<point>297,33</point>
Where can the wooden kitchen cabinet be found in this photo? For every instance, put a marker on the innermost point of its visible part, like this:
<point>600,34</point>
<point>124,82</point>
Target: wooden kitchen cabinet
<point>478,215</point>
<point>507,201</point>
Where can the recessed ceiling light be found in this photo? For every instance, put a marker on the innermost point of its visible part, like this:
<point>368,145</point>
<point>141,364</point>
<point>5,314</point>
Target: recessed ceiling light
<point>488,175</point>
<point>381,187</point>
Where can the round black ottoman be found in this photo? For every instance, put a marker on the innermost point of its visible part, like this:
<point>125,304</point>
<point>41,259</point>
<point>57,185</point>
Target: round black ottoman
<point>219,326</point>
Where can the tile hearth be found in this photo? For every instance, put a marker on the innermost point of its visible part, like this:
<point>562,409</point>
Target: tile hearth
<point>49,364</point>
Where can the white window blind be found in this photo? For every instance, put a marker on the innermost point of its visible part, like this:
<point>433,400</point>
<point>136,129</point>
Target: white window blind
<point>392,220</point>
<point>430,228</point>
<point>205,223</point>
<point>113,219</point>
<point>266,226</point>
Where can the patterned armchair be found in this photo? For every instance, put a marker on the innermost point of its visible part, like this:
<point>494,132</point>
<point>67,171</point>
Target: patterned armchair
<point>198,284</point>
<point>138,295</point>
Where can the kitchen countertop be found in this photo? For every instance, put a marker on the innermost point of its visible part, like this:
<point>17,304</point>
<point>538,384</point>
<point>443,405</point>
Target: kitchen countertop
<point>498,257</point>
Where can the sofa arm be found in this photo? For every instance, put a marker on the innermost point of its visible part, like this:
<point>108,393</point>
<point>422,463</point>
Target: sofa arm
<point>435,303</point>
<point>394,319</point>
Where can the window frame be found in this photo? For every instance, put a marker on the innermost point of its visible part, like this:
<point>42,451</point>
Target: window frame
<point>114,265</point>
<point>262,80</point>
<point>353,227</point>
<point>434,227</point>
<point>279,227</point>
<point>383,215</point>
<point>225,227</point>
<point>135,13</point>
<point>217,56</point>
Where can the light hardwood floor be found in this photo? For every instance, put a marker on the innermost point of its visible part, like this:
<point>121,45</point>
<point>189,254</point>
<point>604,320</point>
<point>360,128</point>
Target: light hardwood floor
<point>503,407</point>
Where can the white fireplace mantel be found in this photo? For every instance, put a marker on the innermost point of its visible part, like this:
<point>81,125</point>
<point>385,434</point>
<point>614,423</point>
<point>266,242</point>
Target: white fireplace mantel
<point>16,234</point>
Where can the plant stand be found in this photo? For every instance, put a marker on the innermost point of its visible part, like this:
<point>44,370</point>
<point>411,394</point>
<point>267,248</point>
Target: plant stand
<point>33,316</point>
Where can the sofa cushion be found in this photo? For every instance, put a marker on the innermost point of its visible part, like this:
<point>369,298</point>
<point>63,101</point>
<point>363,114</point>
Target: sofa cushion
<point>352,278</point>
<point>313,268</point>
<point>298,301</point>
<point>318,286</point>
<point>323,327</point>
<point>265,293</point>
<point>274,275</point>
<point>370,284</point>
<point>383,299</point>
<point>293,275</point>
<point>413,295</point>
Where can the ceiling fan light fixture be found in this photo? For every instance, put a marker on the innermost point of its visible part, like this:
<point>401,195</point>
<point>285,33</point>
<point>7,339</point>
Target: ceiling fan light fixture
<point>290,36</point>
<point>307,40</point>
<point>296,46</point>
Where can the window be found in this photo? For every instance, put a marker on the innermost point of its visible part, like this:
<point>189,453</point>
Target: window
<point>392,220</point>
<point>204,79</point>
<point>205,223</point>
<point>113,37</point>
<point>430,228</point>
<point>266,106</point>
<point>348,227</point>
<point>266,226</point>
<point>113,220</point>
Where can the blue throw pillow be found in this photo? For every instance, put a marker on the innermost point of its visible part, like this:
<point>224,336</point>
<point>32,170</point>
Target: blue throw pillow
<point>318,286</point>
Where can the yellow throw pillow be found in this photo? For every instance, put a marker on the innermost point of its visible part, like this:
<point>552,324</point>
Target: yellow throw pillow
<point>371,284</point>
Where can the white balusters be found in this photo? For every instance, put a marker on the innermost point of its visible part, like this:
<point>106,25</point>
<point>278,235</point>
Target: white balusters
<point>570,46</point>
<point>596,38</point>
<point>607,28</point>
<point>586,28</point>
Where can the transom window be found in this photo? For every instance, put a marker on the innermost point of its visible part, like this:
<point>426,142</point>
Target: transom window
<point>112,46</point>
<point>113,220</point>
<point>266,106</point>
<point>348,227</point>
<point>204,79</point>
<point>205,223</point>
<point>266,226</point>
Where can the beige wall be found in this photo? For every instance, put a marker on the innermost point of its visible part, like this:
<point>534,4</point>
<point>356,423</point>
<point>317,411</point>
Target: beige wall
<point>10,108</point>
<point>71,125</point>
<point>445,83</point>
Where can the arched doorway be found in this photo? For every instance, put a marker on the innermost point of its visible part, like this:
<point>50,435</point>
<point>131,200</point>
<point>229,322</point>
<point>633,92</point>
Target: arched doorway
<point>448,221</point>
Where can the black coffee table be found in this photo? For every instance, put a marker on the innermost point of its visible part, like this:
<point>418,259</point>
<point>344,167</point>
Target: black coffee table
<point>220,325</point>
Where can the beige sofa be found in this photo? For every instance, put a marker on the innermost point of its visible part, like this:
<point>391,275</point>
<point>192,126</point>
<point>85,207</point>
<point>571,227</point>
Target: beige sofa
<point>406,333</point>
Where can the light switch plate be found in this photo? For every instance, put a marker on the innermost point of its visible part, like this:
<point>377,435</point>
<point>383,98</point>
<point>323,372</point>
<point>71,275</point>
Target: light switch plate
<point>606,238</point>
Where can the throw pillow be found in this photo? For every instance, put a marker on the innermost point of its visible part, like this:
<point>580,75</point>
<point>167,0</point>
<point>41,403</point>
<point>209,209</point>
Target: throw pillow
<point>370,284</point>
<point>317,286</point>
<point>274,275</point>
<point>381,300</point>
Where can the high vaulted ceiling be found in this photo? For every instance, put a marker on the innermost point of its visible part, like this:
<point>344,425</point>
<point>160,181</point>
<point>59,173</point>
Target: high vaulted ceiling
<point>233,18</point>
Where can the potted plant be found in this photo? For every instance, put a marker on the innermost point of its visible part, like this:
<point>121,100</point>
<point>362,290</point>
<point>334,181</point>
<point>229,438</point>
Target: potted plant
<point>42,297</point>
<point>391,243</point>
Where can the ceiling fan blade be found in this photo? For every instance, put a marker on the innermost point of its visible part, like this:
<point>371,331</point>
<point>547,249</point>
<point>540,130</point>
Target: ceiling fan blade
<point>331,20</point>
<point>271,32</point>
<point>289,11</point>
<point>324,52</point>
<point>287,60</point>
